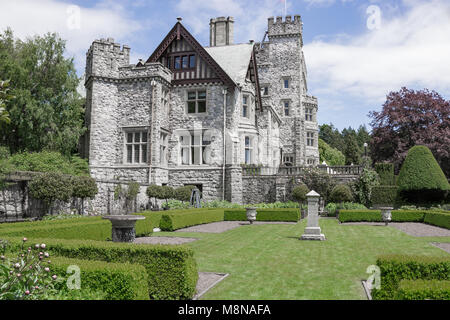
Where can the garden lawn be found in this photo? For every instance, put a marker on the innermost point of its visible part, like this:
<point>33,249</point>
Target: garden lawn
<point>270,262</point>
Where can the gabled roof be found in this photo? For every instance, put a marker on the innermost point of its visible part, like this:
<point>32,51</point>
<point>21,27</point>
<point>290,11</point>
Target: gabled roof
<point>234,59</point>
<point>176,33</point>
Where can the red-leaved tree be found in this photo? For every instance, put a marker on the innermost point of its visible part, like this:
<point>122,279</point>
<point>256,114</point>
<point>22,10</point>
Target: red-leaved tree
<point>411,118</point>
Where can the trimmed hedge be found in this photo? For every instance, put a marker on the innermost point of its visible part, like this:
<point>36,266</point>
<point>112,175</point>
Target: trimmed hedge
<point>395,268</point>
<point>172,221</point>
<point>424,289</point>
<point>93,229</point>
<point>435,218</point>
<point>439,219</point>
<point>171,270</point>
<point>287,215</point>
<point>119,281</point>
<point>384,195</point>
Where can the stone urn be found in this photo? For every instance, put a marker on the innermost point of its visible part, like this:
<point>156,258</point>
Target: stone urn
<point>123,227</point>
<point>251,214</point>
<point>386,214</point>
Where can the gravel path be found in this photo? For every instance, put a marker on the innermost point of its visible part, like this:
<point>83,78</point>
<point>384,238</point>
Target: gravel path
<point>206,281</point>
<point>219,227</point>
<point>443,246</point>
<point>163,240</point>
<point>412,228</point>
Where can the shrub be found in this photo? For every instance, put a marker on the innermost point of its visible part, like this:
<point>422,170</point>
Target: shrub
<point>171,270</point>
<point>384,195</point>
<point>118,281</point>
<point>362,188</point>
<point>385,172</point>
<point>332,156</point>
<point>83,187</point>
<point>319,181</point>
<point>50,187</point>
<point>332,208</point>
<point>46,161</point>
<point>341,193</point>
<point>154,191</point>
<point>182,219</point>
<point>299,193</point>
<point>287,215</point>
<point>439,219</point>
<point>167,193</point>
<point>395,268</point>
<point>183,193</point>
<point>421,180</point>
<point>4,152</point>
<point>423,290</point>
<point>26,276</point>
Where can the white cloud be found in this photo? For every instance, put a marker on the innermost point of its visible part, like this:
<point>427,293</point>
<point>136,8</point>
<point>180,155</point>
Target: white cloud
<point>408,50</point>
<point>324,3</point>
<point>29,17</point>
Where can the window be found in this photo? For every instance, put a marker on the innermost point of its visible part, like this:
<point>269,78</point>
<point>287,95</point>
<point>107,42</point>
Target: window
<point>311,162</point>
<point>163,148</point>
<point>136,147</point>
<point>286,83</point>
<point>288,160</point>
<point>165,100</point>
<point>196,102</point>
<point>286,108</point>
<point>248,150</point>
<point>183,62</point>
<point>177,64</point>
<point>195,148</point>
<point>309,114</point>
<point>265,91</point>
<point>310,139</point>
<point>191,61</point>
<point>245,113</point>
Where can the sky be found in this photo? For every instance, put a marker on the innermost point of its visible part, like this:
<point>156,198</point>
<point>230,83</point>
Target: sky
<point>356,51</point>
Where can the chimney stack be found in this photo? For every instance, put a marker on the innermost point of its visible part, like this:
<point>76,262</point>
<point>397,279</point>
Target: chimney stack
<point>221,31</point>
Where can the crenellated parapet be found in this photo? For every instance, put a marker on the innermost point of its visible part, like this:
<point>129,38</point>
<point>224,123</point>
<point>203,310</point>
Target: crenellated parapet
<point>287,28</point>
<point>105,57</point>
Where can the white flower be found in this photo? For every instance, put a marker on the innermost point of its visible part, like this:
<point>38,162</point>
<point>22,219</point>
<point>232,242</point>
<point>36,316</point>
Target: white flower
<point>17,266</point>
<point>46,255</point>
<point>43,246</point>
<point>47,269</point>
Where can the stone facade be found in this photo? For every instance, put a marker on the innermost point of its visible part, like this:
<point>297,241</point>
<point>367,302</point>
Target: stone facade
<point>194,115</point>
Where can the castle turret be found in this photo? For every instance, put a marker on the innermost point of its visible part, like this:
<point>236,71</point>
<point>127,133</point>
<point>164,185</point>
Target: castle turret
<point>105,57</point>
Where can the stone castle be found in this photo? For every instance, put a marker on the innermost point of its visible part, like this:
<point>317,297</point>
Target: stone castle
<point>199,115</point>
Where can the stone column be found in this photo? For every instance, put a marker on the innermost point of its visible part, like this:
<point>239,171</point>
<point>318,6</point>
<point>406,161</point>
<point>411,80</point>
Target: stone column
<point>312,230</point>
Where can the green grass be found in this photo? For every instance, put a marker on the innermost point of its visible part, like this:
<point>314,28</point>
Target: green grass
<point>270,262</point>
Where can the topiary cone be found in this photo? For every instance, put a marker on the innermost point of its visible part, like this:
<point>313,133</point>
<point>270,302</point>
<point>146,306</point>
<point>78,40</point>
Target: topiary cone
<point>421,179</point>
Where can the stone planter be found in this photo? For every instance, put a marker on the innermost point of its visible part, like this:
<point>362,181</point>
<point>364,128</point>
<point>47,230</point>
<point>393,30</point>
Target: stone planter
<point>123,227</point>
<point>386,214</point>
<point>251,214</point>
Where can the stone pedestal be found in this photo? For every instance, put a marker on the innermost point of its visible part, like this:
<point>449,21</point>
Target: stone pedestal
<point>312,230</point>
<point>386,214</point>
<point>251,214</point>
<point>123,227</point>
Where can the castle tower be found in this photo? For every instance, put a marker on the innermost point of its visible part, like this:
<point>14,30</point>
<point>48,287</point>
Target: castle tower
<point>103,60</point>
<point>282,72</point>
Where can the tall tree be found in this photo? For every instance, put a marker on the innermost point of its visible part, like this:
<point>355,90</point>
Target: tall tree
<point>4,98</point>
<point>411,118</point>
<point>351,151</point>
<point>331,135</point>
<point>46,111</point>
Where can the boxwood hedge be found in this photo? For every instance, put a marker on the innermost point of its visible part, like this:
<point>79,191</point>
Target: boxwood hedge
<point>287,215</point>
<point>118,281</point>
<point>171,270</point>
<point>424,289</point>
<point>395,268</point>
<point>431,217</point>
<point>439,219</point>
<point>185,218</point>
